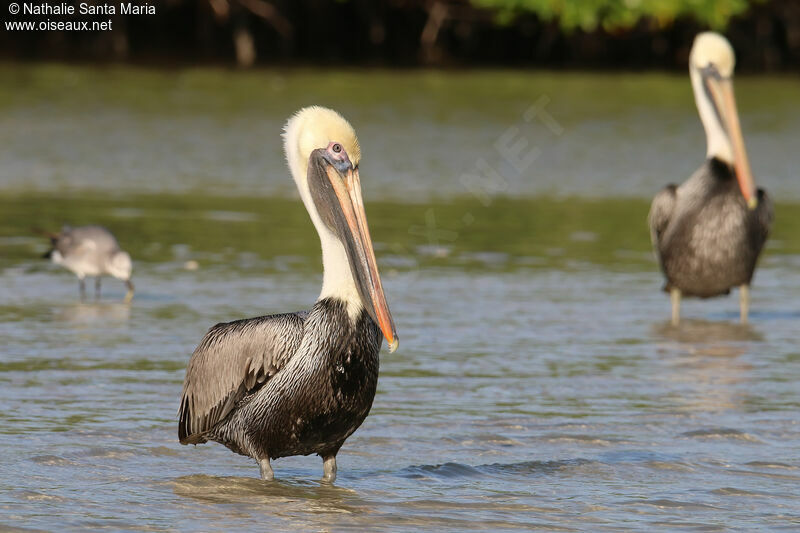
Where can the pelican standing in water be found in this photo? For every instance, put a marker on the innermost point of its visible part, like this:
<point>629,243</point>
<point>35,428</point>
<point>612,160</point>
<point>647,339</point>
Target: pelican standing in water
<point>301,383</point>
<point>709,231</point>
<point>91,251</point>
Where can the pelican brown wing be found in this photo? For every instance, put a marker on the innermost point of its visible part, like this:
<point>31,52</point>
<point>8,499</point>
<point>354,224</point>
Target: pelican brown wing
<point>233,359</point>
<point>765,214</point>
<point>660,213</point>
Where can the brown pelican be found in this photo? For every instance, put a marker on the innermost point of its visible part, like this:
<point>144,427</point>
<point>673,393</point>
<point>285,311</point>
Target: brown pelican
<point>301,383</point>
<point>707,234</point>
<point>91,251</point>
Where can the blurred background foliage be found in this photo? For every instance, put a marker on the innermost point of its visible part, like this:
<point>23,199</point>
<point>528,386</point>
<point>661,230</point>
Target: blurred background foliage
<point>616,15</point>
<point>607,34</point>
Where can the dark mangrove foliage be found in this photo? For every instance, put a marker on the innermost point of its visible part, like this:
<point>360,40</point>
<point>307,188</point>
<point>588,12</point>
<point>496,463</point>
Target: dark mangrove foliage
<point>627,34</point>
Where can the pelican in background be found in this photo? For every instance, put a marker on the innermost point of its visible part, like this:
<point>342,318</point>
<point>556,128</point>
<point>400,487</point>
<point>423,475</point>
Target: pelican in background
<point>91,251</point>
<point>301,383</point>
<point>709,231</point>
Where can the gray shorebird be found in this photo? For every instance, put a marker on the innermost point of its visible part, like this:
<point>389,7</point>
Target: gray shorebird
<point>91,251</point>
<point>301,383</point>
<point>709,231</point>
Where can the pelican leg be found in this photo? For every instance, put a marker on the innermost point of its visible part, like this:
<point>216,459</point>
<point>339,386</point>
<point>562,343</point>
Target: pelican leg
<point>675,298</point>
<point>329,468</point>
<point>82,288</point>
<point>744,303</point>
<point>97,288</point>
<point>266,469</point>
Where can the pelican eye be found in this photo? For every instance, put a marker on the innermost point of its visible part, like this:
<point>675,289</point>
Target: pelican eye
<point>711,71</point>
<point>337,156</point>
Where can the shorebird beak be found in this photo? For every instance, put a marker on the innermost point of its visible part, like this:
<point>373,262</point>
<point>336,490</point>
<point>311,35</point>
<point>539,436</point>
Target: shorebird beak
<point>336,188</point>
<point>129,294</point>
<point>721,90</point>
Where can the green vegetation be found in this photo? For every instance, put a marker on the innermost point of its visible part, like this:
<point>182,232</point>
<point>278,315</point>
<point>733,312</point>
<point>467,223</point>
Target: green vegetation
<point>610,15</point>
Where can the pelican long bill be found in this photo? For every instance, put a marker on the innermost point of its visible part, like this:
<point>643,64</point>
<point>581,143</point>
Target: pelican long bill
<point>346,187</point>
<point>721,91</point>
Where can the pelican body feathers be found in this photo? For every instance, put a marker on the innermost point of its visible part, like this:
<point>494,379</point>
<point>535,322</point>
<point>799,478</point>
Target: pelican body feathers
<point>296,384</point>
<point>706,238</point>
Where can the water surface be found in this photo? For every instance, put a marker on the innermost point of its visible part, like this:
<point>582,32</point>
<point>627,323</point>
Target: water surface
<point>538,384</point>
<point>424,133</point>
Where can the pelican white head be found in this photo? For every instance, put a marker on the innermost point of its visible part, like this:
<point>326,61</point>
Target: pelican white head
<point>309,129</point>
<point>711,48</point>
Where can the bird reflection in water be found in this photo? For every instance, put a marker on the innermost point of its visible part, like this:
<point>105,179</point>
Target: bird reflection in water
<point>708,332</point>
<point>706,359</point>
<point>300,496</point>
<point>86,313</point>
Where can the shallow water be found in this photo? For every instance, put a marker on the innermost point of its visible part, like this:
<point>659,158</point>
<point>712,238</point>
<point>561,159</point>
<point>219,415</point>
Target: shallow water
<point>538,384</point>
<point>423,133</point>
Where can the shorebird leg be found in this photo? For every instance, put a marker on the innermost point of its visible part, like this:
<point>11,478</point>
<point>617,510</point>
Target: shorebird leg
<point>744,303</point>
<point>329,468</point>
<point>675,298</point>
<point>266,469</point>
<point>82,288</point>
<point>97,288</point>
